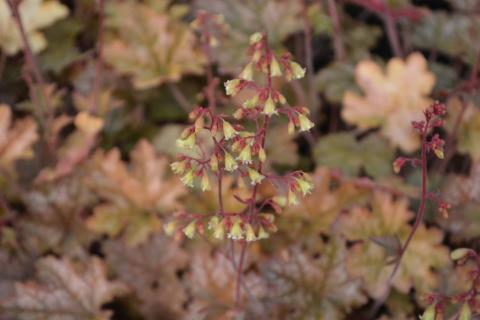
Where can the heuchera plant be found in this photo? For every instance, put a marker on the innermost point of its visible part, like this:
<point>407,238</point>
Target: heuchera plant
<point>241,153</point>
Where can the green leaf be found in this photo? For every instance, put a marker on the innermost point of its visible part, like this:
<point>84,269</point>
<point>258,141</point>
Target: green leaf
<point>62,48</point>
<point>319,19</point>
<point>342,151</point>
<point>452,34</point>
<point>447,77</point>
<point>335,79</point>
<point>279,19</point>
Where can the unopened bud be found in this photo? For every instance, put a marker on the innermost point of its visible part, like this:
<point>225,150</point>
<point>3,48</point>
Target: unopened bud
<point>398,164</point>
<point>459,253</point>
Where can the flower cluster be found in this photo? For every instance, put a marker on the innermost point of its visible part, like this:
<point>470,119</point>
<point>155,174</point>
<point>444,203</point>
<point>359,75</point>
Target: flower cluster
<point>468,261</point>
<point>241,153</point>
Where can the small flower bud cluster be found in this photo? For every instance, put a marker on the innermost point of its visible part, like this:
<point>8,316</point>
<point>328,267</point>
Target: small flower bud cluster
<point>436,144</point>
<point>240,152</point>
<point>432,120</point>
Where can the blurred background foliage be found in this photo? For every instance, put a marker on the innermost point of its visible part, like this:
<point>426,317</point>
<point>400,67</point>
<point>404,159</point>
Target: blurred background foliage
<point>85,184</point>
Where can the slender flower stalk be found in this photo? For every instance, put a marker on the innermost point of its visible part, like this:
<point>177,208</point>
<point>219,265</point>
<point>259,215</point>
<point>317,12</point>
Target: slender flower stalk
<point>433,145</point>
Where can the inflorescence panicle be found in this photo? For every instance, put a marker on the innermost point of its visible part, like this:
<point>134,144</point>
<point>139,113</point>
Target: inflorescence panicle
<point>242,153</point>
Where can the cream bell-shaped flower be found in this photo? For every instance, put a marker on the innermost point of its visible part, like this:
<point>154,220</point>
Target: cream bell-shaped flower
<point>236,231</point>
<point>230,163</point>
<point>255,176</point>
<point>305,123</point>
<point>228,131</point>
<point>189,230</point>
<point>245,155</point>
<point>187,179</point>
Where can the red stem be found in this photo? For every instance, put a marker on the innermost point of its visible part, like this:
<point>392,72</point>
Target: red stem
<point>423,200</point>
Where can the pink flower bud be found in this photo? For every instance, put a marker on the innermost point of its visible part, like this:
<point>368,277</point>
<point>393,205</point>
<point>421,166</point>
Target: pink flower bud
<point>439,109</point>
<point>443,208</point>
<point>398,164</point>
<point>419,125</point>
